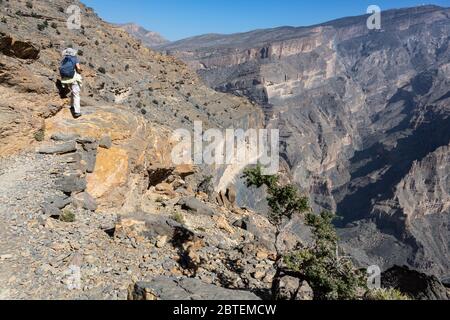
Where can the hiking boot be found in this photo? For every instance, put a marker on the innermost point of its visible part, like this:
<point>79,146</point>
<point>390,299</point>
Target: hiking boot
<point>76,115</point>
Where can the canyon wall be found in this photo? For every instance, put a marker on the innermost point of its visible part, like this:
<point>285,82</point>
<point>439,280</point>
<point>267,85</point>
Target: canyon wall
<point>364,118</point>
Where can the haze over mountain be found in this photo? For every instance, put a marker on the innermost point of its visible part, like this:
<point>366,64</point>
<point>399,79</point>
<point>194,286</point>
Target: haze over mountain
<point>149,38</point>
<point>365,121</point>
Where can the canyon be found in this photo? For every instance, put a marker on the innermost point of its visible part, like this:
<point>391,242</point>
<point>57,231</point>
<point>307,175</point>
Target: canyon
<point>364,117</point>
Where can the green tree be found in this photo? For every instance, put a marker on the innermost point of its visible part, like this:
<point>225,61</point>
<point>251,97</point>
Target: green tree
<point>329,275</point>
<point>284,202</point>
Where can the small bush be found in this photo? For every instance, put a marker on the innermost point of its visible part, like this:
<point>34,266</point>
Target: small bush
<point>101,70</point>
<point>29,5</point>
<point>178,217</point>
<point>67,216</point>
<point>4,20</point>
<point>42,26</point>
<point>386,295</point>
<point>54,25</point>
<point>39,135</point>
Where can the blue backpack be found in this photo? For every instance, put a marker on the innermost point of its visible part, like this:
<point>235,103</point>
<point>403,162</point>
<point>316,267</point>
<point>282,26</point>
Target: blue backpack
<point>67,68</point>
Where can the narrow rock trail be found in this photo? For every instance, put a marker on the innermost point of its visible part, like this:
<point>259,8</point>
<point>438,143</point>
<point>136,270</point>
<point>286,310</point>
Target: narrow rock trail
<point>23,181</point>
<point>39,255</point>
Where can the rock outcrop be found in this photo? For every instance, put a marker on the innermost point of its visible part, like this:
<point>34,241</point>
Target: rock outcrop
<point>18,49</point>
<point>185,289</point>
<point>135,144</point>
<point>292,289</point>
<point>415,284</point>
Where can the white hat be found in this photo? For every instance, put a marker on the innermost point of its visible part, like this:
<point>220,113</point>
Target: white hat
<point>69,52</point>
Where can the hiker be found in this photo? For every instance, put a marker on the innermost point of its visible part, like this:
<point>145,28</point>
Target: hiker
<point>70,76</point>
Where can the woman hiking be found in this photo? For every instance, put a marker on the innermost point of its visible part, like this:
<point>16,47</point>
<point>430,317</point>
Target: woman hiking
<point>70,70</point>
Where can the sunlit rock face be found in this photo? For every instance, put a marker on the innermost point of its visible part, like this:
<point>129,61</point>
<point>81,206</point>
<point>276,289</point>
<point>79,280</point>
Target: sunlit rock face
<point>135,96</point>
<point>364,118</point>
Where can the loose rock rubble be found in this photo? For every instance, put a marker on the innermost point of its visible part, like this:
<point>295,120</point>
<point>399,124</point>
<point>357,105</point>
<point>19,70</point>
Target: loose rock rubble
<point>162,288</point>
<point>98,255</point>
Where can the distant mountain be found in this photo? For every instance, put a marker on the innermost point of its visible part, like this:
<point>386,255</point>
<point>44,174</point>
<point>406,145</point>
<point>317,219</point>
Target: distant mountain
<point>364,117</point>
<point>149,38</point>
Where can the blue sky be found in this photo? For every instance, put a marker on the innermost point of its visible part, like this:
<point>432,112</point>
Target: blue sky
<point>177,19</point>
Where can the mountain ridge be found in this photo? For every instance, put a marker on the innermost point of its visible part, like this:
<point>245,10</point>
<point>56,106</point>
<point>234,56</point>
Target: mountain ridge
<point>149,38</point>
<point>172,45</point>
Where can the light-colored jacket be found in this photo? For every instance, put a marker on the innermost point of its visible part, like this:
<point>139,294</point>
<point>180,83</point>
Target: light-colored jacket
<point>76,78</point>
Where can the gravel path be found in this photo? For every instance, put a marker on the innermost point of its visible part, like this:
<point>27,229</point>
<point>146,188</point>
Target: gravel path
<point>24,183</point>
<point>43,258</point>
